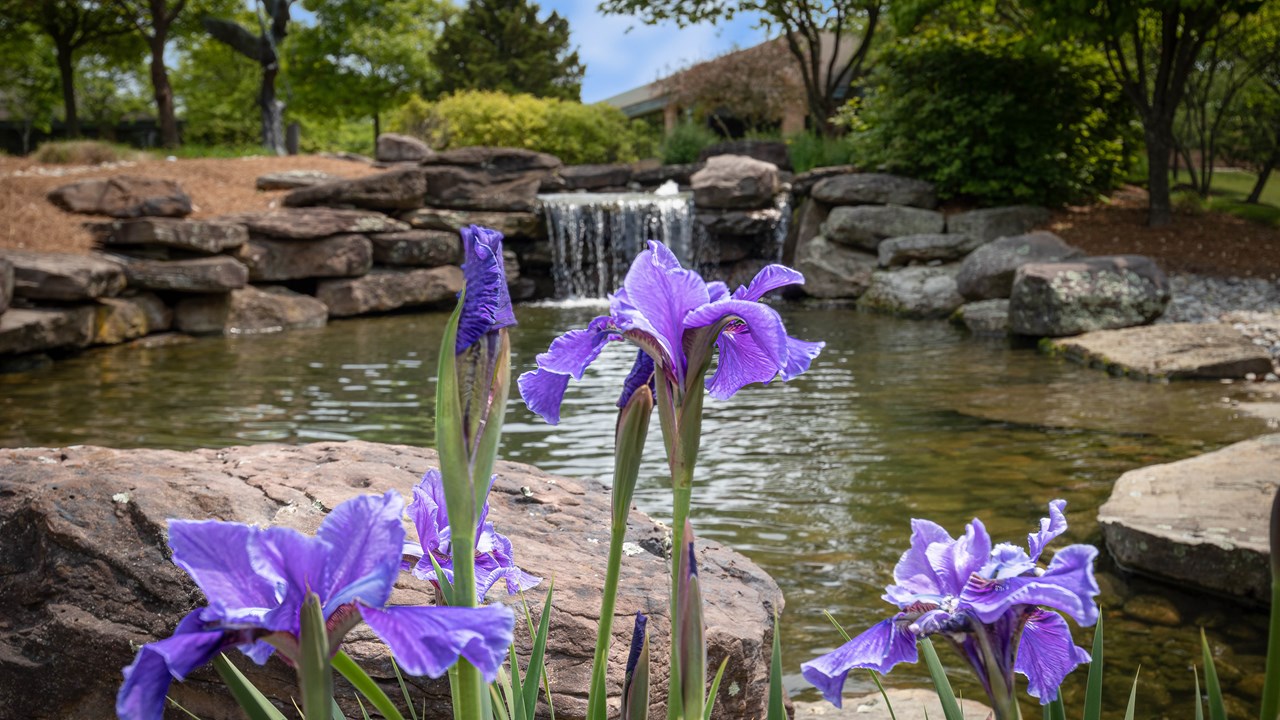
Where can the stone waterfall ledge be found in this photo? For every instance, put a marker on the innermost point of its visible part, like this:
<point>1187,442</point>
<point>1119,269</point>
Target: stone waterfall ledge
<point>87,575</point>
<point>1202,521</point>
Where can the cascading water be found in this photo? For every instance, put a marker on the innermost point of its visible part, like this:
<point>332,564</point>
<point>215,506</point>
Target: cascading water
<point>595,236</point>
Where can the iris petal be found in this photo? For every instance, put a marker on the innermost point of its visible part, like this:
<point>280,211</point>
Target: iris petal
<point>663,293</point>
<point>800,354</point>
<point>299,561</point>
<point>914,574</point>
<point>770,277</point>
<point>955,562</point>
<point>1067,585</point>
<point>216,555</point>
<point>146,680</point>
<point>569,355</point>
<point>1050,528</point>
<point>1046,654</point>
<point>366,536</point>
<point>486,306</point>
<point>882,646</point>
<point>427,640</point>
<point>543,391</point>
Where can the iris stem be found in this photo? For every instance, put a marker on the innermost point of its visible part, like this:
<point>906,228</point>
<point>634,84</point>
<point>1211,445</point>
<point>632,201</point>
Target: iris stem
<point>1005,704</point>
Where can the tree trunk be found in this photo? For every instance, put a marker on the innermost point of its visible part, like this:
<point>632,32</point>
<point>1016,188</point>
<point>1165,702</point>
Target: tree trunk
<point>1159,144</point>
<point>272,111</point>
<point>66,69</point>
<point>1255,195</point>
<point>377,128</point>
<point>163,92</point>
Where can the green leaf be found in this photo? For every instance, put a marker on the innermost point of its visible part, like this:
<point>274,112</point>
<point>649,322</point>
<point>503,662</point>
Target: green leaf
<point>1271,688</point>
<point>950,708</point>
<point>1217,711</point>
<point>404,689</point>
<point>336,712</point>
<point>367,686</point>
<point>888,705</point>
<point>537,655</point>
<point>515,689</point>
<point>777,709</point>
<point>446,587</point>
<point>249,698</point>
<point>1054,710</point>
<point>1133,697</point>
<point>364,714</point>
<point>1093,686</point>
<point>184,711</point>
<point>715,689</point>
<point>1199,705</point>
<point>314,672</point>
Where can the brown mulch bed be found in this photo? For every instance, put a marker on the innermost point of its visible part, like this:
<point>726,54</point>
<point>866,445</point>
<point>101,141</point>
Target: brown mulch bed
<point>1207,243</point>
<point>216,185</point>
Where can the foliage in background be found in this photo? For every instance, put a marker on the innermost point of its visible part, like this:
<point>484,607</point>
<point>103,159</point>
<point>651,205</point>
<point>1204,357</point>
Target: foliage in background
<point>31,84</point>
<point>685,141</point>
<point>218,95</point>
<point>809,150</point>
<point>110,90</point>
<point>84,152</point>
<point>995,119</point>
<point>502,45</point>
<point>571,131</point>
<point>755,85</point>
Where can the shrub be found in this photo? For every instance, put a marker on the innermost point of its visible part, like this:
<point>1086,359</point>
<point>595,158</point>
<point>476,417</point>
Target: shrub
<point>571,131</point>
<point>685,142</point>
<point>996,119</point>
<point>84,152</point>
<point>809,150</point>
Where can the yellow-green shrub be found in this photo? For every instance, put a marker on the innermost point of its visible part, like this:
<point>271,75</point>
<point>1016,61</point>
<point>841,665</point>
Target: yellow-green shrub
<point>571,131</point>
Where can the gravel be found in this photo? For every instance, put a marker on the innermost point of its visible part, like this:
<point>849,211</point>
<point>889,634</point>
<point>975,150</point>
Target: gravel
<point>1250,305</point>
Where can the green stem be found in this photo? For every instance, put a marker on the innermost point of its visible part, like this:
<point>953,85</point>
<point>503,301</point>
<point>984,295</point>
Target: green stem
<point>597,707</point>
<point>1271,688</point>
<point>1004,703</point>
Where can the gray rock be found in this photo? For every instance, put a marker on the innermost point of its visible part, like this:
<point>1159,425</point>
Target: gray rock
<point>400,189</point>
<point>338,256</point>
<point>681,174</point>
<point>208,238</point>
<point>916,292</point>
<point>1154,610</point>
<point>738,222</point>
<point>63,277</point>
<point>725,249</point>
<point>1173,351</point>
<point>594,177</point>
<point>1097,293</point>
<point>393,148</point>
<point>314,223</point>
<point>875,189</point>
<point>802,184</point>
<point>511,224</point>
<point>496,159</point>
<point>990,223</point>
<point>293,179</point>
<point>833,271</point>
<point>420,248</point>
<point>388,289</point>
<point>483,188</point>
<point>986,317</point>
<point>32,330</point>
<point>906,703</point>
<point>1201,522</point>
<point>735,181</point>
<point>774,152</point>
<point>249,310</point>
<point>909,249</point>
<point>865,226</point>
<point>120,319</point>
<point>988,271</point>
<point>100,515</point>
<point>6,284</point>
<point>806,225</point>
<point>218,274</point>
<point>123,197</point>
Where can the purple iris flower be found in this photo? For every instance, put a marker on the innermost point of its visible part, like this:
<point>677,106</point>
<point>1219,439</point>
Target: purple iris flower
<point>430,516</point>
<point>994,603</point>
<point>670,312</point>
<point>486,306</point>
<point>256,581</point>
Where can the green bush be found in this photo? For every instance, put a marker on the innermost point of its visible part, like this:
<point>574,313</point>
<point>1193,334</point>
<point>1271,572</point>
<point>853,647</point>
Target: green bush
<point>573,132</point>
<point>809,150</point>
<point>685,142</point>
<point>995,119</point>
<point>84,152</point>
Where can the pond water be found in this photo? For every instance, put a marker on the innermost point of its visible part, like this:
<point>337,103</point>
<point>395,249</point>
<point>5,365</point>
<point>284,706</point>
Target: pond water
<point>815,480</point>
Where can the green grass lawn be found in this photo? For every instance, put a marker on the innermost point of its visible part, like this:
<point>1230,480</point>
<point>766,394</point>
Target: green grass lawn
<point>1231,187</point>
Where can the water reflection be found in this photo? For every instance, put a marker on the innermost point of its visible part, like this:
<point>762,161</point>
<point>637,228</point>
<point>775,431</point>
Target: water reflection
<point>815,480</point>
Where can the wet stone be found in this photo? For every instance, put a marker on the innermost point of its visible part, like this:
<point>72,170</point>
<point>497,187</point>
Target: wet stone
<point>217,274</point>
<point>198,236</point>
<point>63,277</point>
<point>338,256</point>
<point>1153,609</point>
<point>24,330</point>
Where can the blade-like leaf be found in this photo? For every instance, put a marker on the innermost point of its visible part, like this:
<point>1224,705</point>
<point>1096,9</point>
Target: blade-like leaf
<point>314,672</point>
<point>1055,710</point>
<point>184,711</point>
<point>888,705</point>
<point>335,711</point>
<point>1133,696</point>
<point>715,689</point>
<point>251,700</point>
<point>777,709</point>
<point>635,686</point>
<point>1271,687</point>
<point>516,695</point>
<point>1199,705</point>
<point>1217,711</point>
<point>446,588</point>
<point>364,714</point>
<point>1093,686</point>
<point>537,655</point>
<point>366,685</point>
<point>404,689</point>
<point>950,708</point>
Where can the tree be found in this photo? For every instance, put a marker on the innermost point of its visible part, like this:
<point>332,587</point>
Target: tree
<point>31,86</point>
<point>1151,47</point>
<point>502,45</point>
<point>218,93</point>
<point>756,85</point>
<point>362,58</point>
<point>831,42</point>
<point>153,20</point>
<point>71,25</point>
<point>263,48</point>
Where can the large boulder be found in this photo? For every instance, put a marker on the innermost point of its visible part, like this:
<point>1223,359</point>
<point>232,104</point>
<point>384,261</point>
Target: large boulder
<point>7,281</point>
<point>25,330</point>
<point>739,223</point>
<point>1097,293</point>
<point>988,224</point>
<point>833,271</point>
<point>900,704</point>
<point>865,226</point>
<point>400,189</point>
<point>293,179</point>
<point>916,292</point>
<point>249,310</point>
<point>511,224</point>
<point>1172,351</point>
<point>386,289</point>
<point>774,152</point>
<point>125,318</point>
<point>272,260</point>
<point>875,189</point>
<point>1201,522</point>
<point>594,177</point>
<point>987,272</point>
<point>802,184</point>
<point>88,576</point>
<point>217,274</point>
<point>123,197</point>
<point>735,181</point>
<point>909,249</point>
<point>418,248</point>
<point>63,277</point>
<point>487,178</point>
<point>397,148</point>
<point>198,236</point>
<point>806,225</point>
<point>314,223</point>
<point>680,173</point>
<point>985,317</point>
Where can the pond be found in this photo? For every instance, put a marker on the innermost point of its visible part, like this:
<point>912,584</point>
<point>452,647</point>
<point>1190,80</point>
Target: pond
<point>815,480</point>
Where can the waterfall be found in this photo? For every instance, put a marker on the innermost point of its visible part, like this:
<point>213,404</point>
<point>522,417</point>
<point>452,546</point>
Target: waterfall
<point>595,236</point>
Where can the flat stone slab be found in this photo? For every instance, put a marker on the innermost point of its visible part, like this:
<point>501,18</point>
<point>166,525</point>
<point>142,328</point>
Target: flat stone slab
<point>909,249</point>
<point>217,274</point>
<point>63,277</point>
<point>985,317</point>
<point>123,197</point>
<point>1176,351</point>
<point>6,284</point>
<point>1201,522</point>
<point>511,224</point>
<point>907,704</point>
<point>987,224</point>
<point>386,289</point>
<point>400,189</point>
<point>866,226</point>
<point>25,330</point>
<point>199,236</point>
<point>125,318</point>
<point>293,179</point>
<point>418,248</point>
<point>269,259</point>
<point>875,189</point>
<point>248,311</point>
<point>313,223</point>
<point>87,574</point>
